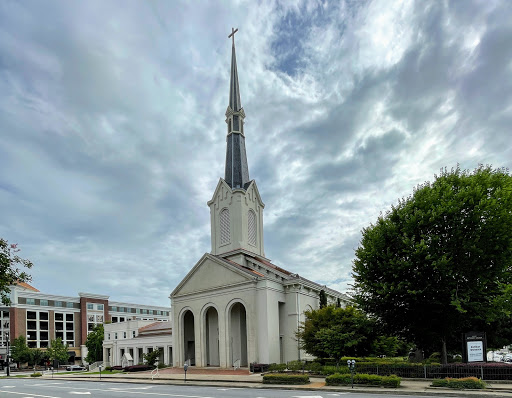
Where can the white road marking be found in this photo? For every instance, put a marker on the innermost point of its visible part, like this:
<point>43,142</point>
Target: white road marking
<point>8,386</point>
<point>130,388</point>
<point>80,392</point>
<point>307,396</point>
<point>227,389</point>
<point>25,394</point>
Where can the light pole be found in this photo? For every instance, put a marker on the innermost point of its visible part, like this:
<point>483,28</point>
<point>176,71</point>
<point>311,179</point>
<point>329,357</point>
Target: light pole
<point>352,366</point>
<point>7,356</point>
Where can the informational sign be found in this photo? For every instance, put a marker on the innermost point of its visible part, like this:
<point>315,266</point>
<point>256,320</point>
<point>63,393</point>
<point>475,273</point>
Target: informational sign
<point>475,351</point>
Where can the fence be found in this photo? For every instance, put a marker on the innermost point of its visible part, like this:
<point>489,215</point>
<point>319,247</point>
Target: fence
<point>486,371</point>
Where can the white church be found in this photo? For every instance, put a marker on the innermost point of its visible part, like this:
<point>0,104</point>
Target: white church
<point>235,307</point>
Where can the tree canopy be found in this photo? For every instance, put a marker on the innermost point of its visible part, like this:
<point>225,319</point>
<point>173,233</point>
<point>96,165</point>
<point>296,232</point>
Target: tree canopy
<point>10,271</point>
<point>94,344</point>
<point>19,350</point>
<point>333,332</point>
<point>439,263</point>
<point>58,351</point>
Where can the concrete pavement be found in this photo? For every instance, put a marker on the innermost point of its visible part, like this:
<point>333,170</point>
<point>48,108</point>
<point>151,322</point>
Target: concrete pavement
<point>227,378</point>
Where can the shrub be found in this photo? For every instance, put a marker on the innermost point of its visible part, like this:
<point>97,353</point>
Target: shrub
<point>137,368</point>
<point>277,367</point>
<point>361,378</point>
<point>162,365</point>
<point>314,367</point>
<point>295,365</point>
<point>36,374</point>
<point>283,378</point>
<point>464,383</point>
<point>108,369</point>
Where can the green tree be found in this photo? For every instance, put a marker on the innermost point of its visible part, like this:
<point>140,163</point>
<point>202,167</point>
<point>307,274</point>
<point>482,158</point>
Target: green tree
<point>10,273</point>
<point>151,357</point>
<point>323,298</point>
<point>35,356</point>
<point>439,263</point>
<point>57,351</point>
<point>332,332</point>
<point>94,344</point>
<point>19,350</point>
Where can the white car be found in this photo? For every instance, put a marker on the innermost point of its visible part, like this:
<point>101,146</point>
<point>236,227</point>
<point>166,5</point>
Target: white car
<point>74,367</point>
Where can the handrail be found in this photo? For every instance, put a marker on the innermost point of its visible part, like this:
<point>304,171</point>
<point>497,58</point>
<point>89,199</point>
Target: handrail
<point>154,373</point>
<point>235,366</point>
<point>95,365</point>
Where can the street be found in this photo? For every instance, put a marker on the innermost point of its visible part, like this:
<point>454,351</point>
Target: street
<point>37,388</point>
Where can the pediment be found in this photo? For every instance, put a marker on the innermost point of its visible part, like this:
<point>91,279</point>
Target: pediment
<point>208,274</point>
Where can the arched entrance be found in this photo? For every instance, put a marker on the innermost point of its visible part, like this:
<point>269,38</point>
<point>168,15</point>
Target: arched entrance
<point>189,340</point>
<point>238,334</point>
<point>212,337</point>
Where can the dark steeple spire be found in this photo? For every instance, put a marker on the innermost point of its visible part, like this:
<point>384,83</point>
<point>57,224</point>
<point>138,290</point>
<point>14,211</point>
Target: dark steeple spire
<point>237,171</point>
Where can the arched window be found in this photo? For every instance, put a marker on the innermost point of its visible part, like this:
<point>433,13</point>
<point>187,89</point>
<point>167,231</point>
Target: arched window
<point>225,233</point>
<point>252,227</point>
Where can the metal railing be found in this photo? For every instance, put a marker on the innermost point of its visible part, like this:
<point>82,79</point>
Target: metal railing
<point>236,364</point>
<point>94,366</point>
<point>154,373</point>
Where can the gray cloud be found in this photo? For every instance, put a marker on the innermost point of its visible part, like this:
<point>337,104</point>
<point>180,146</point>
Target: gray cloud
<point>113,134</point>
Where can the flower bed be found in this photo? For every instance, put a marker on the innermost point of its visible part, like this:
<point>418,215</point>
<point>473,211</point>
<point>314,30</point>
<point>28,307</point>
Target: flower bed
<point>464,383</point>
<point>361,378</point>
<point>284,378</point>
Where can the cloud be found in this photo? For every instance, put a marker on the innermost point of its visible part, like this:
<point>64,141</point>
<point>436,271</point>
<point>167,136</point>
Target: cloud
<point>113,134</point>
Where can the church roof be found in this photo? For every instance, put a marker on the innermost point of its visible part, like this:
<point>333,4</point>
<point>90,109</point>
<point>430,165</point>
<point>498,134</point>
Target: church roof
<point>237,169</point>
<point>155,327</point>
<point>25,285</point>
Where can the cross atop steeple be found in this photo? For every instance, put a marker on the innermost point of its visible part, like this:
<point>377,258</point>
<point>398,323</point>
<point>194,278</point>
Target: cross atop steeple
<point>233,31</point>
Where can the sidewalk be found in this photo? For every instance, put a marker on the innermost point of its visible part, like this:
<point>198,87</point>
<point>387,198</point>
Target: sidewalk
<point>229,378</point>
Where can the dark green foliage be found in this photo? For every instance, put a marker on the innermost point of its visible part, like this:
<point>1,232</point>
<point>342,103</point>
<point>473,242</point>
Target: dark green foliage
<point>152,357</point>
<point>37,374</point>
<point>283,378</point>
<point>36,356</point>
<point>94,344</point>
<point>464,383</point>
<point>439,262</point>
<point>314,367</point>
<point>19,350</point>
<point>359,378</point>
<point>323,299</point>
<point>10,273</point>
<point>332,332</point>
<point>295,365</point>
<point>277,367</point>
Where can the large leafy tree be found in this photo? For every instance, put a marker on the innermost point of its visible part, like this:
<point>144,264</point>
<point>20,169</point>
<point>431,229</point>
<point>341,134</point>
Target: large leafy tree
<point>94,344</point>
<point>332,332</point>
<point>58,351</point>
<point>11,269</point>
<point>439,263</point>
<point>19,350</point>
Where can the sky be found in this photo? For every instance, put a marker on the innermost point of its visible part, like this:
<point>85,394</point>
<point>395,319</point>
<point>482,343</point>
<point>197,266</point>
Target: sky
<point>112,127</point>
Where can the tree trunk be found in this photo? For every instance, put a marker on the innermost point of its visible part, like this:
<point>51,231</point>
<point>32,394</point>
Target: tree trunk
<point>444,354</point>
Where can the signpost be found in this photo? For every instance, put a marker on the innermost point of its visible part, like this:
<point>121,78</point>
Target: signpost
<point>475,347</point>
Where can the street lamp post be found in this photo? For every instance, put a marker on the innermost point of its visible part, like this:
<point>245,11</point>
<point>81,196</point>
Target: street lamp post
<point>352,366</point>
<point>7,356</point>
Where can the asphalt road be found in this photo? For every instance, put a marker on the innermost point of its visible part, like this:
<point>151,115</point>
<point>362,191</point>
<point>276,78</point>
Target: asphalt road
<point>37,388</point>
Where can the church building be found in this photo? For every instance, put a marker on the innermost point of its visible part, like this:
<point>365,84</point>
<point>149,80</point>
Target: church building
<point>235,307</point>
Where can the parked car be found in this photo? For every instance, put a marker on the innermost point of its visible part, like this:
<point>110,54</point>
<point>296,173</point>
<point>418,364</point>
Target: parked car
<point>74,367</point>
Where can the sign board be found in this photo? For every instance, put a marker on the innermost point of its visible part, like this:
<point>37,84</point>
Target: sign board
<point>475,351</point>
<point>475,347</point>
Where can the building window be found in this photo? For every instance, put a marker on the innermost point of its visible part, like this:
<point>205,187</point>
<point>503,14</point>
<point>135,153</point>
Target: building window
<point>133,333</point>
<point>43,302</point>
<point>57,303</point>
<point>251,219</point>
<point>124,335</point>
<point>99,307</point>
<point>31,301</point>
<point>225,233</point>
<point>115,336</point>
<point>114,309</point>
<point>108,336</point>
<point>69,305</point>
<point>90,306</point>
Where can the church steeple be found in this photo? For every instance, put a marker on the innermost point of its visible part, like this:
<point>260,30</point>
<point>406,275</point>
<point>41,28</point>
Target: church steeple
<point>237,170</point>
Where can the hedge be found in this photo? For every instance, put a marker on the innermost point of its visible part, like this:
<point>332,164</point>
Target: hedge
<point>283,378</point>
<point>36,374</point>
<point>361,378</point>
<point>464,383</point>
